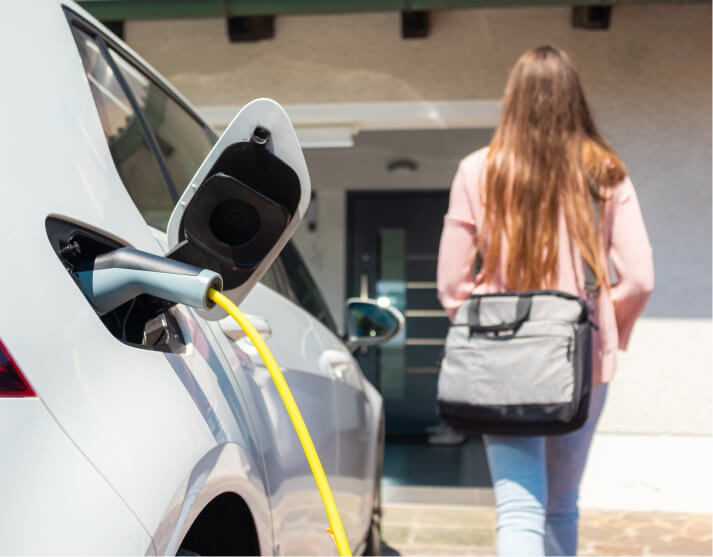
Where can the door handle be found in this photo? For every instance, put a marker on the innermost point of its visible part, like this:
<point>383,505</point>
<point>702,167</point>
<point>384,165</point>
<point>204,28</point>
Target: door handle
<point>235,333</point>
<point>364,286</point>
<point>335,362</point>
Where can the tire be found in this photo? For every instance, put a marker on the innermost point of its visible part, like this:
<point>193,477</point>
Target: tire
<point>373,539</point>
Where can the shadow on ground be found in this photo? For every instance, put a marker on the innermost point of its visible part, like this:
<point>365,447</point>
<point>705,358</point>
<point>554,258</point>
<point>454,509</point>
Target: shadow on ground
<point>388,551</point>
<point>412,461</point>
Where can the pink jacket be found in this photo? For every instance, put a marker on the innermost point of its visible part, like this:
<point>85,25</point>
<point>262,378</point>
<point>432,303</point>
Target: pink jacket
<point>624,239</point>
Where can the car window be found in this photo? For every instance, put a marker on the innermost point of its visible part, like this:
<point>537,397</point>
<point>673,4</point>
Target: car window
<point>182,140</point>
<point>271,280</point>
<point>129,148</point>
<point>304,291</point>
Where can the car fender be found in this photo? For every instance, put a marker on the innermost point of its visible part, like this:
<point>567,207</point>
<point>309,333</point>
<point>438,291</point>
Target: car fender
<point>228,468</point>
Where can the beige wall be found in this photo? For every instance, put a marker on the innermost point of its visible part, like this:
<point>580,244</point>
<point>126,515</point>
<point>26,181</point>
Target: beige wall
<point>362,57</point>
<point>649,82</point>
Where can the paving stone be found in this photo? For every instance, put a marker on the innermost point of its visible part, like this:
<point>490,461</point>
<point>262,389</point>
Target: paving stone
<point>393,535</point>
<point>698,531</point>
<point>670,520</point>
<point>399,515</point>
<point>589,533</point>
<point>638,519</point>
<point>455,536</point>
<point>657,531</point>
<point>585,549</point>
<point>681,546</point>
<point>415,549</point>
<point>618,549</point>
<point>466,517</point>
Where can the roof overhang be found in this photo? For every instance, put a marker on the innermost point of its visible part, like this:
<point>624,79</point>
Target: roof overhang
<point>113,10</point>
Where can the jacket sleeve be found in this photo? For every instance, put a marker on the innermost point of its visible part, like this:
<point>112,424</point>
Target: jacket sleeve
<point>631,254</point>
<point>456,252</point>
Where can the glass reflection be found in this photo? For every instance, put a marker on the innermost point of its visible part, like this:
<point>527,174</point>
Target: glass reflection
<point>371,321</point>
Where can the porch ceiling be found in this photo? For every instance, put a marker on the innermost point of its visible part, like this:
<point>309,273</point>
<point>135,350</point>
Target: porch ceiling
<point>111,10</point>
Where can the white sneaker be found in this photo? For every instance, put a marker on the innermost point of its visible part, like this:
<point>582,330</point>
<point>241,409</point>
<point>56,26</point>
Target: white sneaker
<point>443,434</point>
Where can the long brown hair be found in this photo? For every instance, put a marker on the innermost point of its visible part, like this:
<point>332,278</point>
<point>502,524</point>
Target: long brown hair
<point>545,158</point>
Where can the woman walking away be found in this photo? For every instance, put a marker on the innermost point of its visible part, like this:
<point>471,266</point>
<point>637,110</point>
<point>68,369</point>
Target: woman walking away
<point>524,205</point>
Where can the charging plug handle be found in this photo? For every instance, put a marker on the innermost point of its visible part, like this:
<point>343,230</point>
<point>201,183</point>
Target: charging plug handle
<point>118,276</point>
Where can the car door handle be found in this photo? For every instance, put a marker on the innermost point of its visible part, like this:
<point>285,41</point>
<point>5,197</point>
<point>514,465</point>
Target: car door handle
<point>334,362</point>
<point>233,331</point>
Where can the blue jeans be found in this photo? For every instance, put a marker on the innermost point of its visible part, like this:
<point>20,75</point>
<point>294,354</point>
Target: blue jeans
<point>536,483</point>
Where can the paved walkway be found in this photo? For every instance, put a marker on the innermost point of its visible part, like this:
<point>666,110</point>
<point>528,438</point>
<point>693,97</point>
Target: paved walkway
<point>423,529</point>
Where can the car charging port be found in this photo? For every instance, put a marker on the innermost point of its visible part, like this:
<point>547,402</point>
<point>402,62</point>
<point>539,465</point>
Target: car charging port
<point>144,321</point>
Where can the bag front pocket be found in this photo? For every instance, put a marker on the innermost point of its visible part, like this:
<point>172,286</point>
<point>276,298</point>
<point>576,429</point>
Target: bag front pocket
<point>530,368</point>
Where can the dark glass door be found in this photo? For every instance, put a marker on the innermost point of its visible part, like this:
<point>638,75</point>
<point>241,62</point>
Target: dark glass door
<point>392,252</point>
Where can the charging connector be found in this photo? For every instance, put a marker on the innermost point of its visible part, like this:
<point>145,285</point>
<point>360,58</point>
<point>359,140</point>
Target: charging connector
<point>121,275</point>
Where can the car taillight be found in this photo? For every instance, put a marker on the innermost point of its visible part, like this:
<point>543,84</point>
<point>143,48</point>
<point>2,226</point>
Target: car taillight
<point>12,382</point>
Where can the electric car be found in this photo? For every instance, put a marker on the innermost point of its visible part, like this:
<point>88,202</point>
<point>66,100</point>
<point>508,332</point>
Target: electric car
<point>153,427</point>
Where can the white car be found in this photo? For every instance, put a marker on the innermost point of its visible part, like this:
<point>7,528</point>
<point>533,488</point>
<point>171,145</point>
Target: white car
<point>154,428</point>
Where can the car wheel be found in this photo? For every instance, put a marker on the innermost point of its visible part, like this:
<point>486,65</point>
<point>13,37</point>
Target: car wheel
<point>373,540</point>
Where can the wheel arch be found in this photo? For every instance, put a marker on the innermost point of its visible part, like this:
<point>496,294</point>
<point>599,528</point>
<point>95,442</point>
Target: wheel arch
<point>224,527</point>
<point>225,481</point>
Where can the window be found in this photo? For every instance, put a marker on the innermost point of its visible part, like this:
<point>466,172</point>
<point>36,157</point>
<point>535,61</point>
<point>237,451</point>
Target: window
<point>156,152</point>
<point>304,290</point>
<point>129,148</point>
<point>182,140</point>
<point>271,280</point>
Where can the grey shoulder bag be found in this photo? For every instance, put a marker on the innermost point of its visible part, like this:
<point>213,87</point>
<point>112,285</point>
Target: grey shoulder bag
<point>519,363</point>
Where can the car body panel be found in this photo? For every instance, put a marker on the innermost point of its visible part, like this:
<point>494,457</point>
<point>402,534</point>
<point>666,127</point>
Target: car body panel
<point>299,516</point>
<point>228,468</point>
<point>353,479</point>
<point>48,479</point>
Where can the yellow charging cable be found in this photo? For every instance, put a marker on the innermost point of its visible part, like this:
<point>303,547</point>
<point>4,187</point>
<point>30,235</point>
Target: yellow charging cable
<point>335,523</point>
